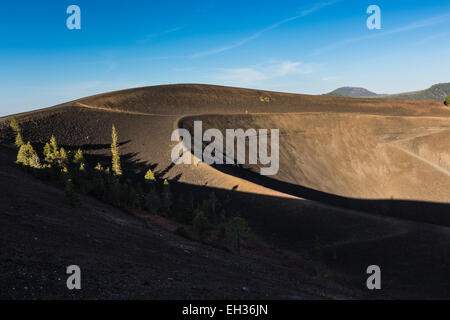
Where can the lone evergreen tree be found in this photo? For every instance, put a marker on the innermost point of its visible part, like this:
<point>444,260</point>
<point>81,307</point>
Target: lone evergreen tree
<point>167,195</point>
<point>213,201</point>
<point>115,153</point>
<point>51,152</point>
<point>150,176</point>
<point>46,152</point>
<point>14,124</point>
<point>15,127</point>
<point>447,100</point>
<point>238,227</point>
<point>53,144</point>
<point>27,156</point>
<point>19,140</point>
<point>63,157</point>
<point>78,158</point>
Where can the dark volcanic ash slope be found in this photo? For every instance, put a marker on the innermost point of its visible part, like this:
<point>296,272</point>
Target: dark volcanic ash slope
<point>363,148</point>
<point>121,257</point>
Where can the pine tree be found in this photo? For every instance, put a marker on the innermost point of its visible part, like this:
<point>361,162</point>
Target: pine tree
<point>213,201</point>
<point>150,176</point>
<point>115,153</point>
<point>47,151</point>
<point>27,156</point>
<point>63,159</point>
<point>98,167</point>
<point>167,195</point>
<point>238,228</point>
<point>51,152</point>
<point>53,145</point>
<point>19,140</point>
<point>78,158</point>
<point>14,124</point>
<point>15,127</point>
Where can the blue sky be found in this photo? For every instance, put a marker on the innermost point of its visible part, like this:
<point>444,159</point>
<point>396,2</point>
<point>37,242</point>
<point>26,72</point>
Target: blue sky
<point>293,46</point>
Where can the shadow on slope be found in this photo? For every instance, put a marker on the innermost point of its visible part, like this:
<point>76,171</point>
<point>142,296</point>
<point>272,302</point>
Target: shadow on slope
<point>421,211</point>
<point>316,168</point>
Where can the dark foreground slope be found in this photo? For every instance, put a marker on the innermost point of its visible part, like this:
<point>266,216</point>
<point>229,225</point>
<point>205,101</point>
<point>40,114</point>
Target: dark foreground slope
<point>320,133</point>
<point>120,256</point>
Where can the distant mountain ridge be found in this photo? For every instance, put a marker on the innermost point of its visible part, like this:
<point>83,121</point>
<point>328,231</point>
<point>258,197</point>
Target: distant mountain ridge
<point>436,92</point>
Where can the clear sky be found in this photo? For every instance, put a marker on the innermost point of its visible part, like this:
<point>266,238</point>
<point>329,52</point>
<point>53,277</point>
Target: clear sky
<point>294,46</point>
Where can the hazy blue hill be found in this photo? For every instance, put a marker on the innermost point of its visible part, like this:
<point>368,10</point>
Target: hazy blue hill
<point>353,92</point>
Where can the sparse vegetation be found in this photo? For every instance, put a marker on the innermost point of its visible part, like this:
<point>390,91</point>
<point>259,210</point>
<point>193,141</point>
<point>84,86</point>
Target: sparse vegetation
<point>79,160</point>
<point>265,99</point>
<point>27,156</point>
<point>19,140</point>
<point>63,158</point>
<point>98,167</point>
<point>167,196</point>
<point>70,169</point>
<point>280,221</point>
<point>238,228</point>
<point>116,167</point>
<point>150,176</point>
<point>201,224</point>
<point>15,127</point>
<point>53,155</point>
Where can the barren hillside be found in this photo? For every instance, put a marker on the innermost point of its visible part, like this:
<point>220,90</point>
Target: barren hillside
<point>369,177</point>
